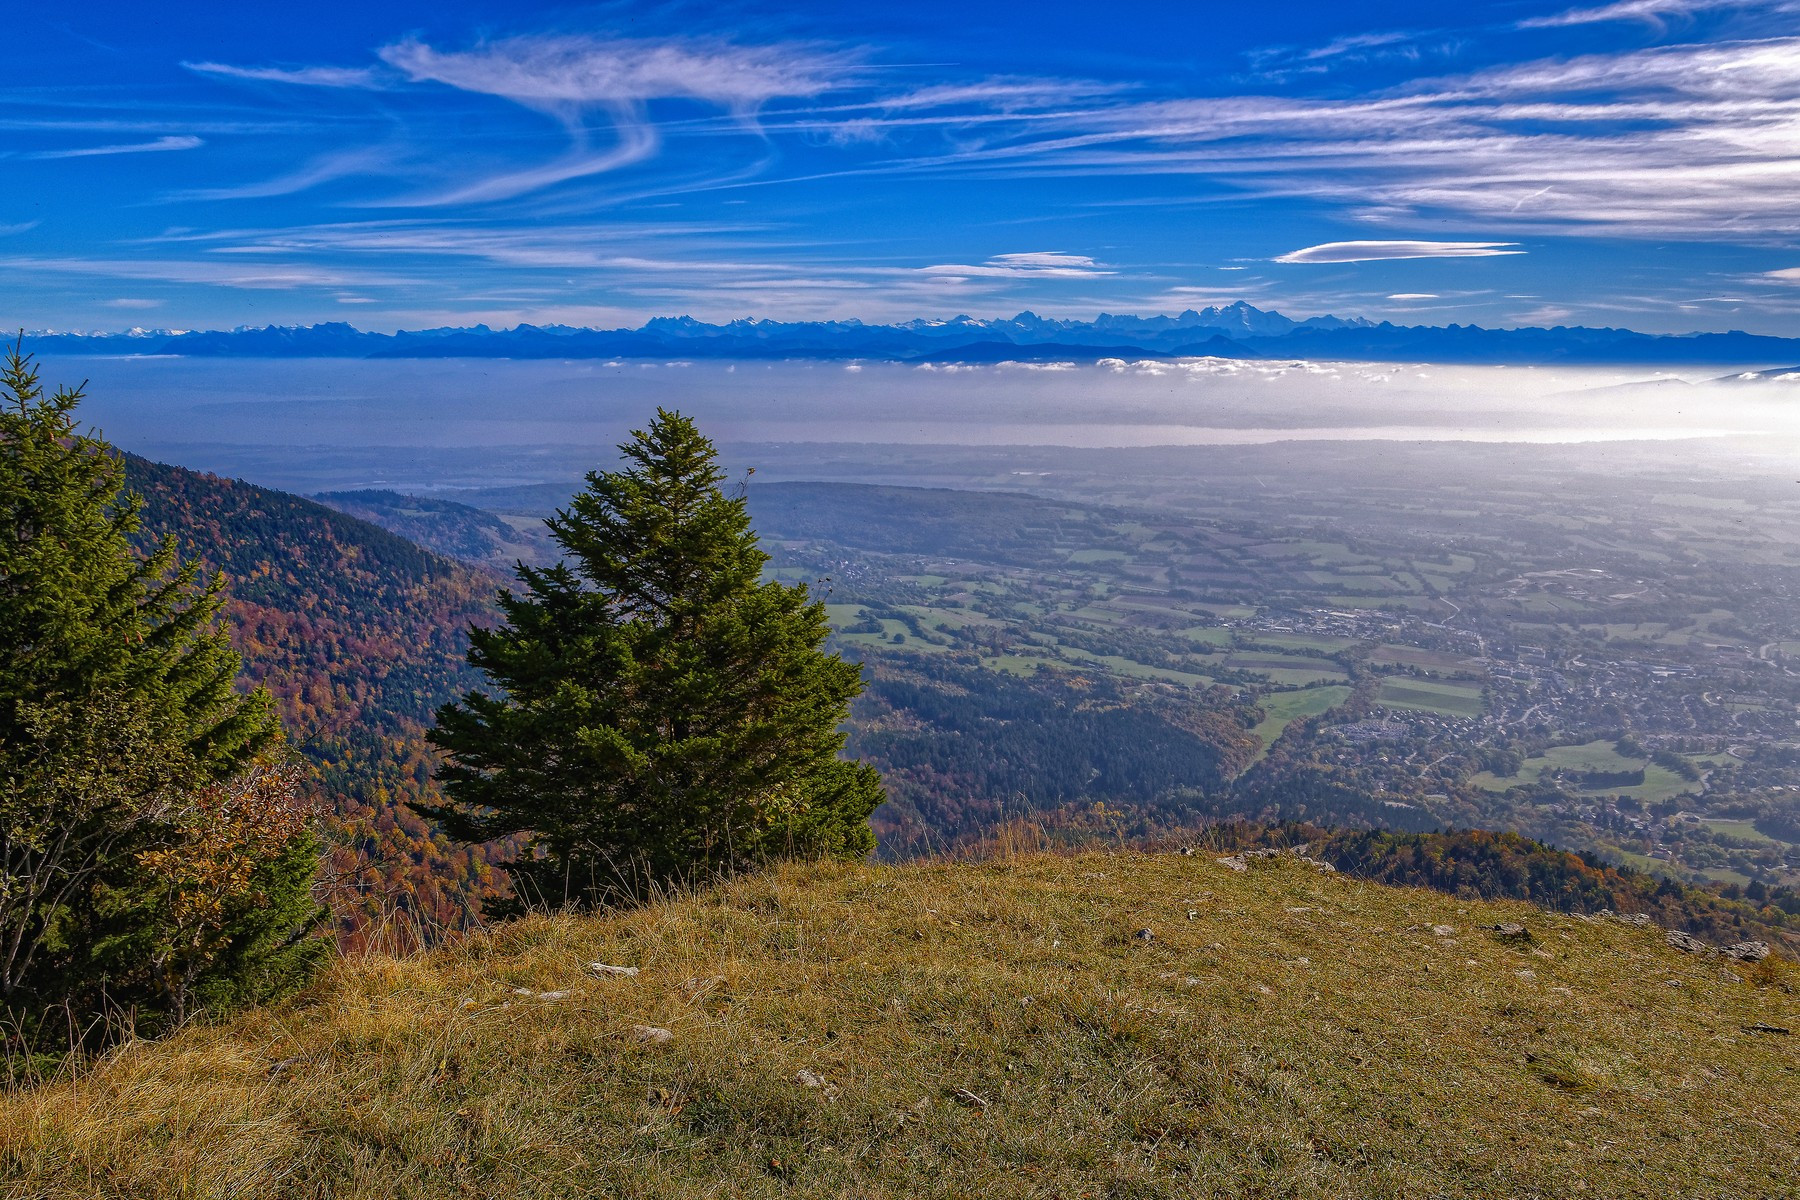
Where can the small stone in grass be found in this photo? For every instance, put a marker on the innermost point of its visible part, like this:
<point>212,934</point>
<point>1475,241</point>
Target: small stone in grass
<point>651,1035</point>
<point>600,968</point>
<point>813,1080</point>
<point>1443,930</point>
<point>1511,931</point>
<point>1144,935</point>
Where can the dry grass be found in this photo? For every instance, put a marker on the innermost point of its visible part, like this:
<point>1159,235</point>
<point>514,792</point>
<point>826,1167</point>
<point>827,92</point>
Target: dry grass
<point>974,1030</point>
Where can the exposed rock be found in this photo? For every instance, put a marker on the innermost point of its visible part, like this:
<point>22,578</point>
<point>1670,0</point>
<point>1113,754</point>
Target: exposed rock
<point>1636,919</point>
<point>1687,942</point>
<point>1241,860</point>
<point>651,1035</point>
<point>1511,931</point>
<point>1747,951</point>
<point>1761,1027</point>
<point>1144,935</point>
<point>599,968</point>
<point>1443,930</point>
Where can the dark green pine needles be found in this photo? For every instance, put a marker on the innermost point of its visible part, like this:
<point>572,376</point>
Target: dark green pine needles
<point>143,869</point>
<point>666,714</point>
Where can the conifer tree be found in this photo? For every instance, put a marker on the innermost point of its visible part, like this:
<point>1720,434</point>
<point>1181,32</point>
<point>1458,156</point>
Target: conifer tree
<point>662,712</point>
<point>120,730</point>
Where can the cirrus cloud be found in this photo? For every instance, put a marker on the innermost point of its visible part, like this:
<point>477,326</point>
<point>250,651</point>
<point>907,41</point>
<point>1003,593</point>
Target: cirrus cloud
<point>1352,252</point>
<point>329,77</point>
<point>182,142</point>
<point>561,74</point>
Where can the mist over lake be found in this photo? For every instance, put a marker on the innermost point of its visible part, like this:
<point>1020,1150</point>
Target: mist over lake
<point>451,424</point>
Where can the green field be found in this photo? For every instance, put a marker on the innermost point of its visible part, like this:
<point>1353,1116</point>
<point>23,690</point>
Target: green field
<point>1743,830</point>
<point>1285,707</point>
<point>1300,676</point>
<point>1424,660</point>
<point>840,615</point>
<point>1659,783</point>
<point>1300,641</point>
<point>1424,695</point>
<point>1287,670</point>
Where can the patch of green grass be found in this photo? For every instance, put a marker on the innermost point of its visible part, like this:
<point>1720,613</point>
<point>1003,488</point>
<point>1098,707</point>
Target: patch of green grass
<point>1426,695</point>
<point>1097,556</point>
<point>840,615</point>
<point>1594,756</point>
<point>1132,669</point>
<point>1300,641</point>
<point>1659,783</point>
<point>1742,830</point>
<point>1441,661</point>
<point>1212,635</point>
<point>940,1031</point>
<point>1283,708</point>
<point>1300,676</point>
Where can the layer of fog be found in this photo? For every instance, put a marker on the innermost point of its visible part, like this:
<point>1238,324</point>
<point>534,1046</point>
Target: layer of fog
<point>310,424</point>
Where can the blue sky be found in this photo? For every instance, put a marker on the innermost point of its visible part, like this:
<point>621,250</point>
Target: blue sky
<point>1632,163</point>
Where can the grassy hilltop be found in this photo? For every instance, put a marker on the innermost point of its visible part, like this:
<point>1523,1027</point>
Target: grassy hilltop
<point>1002,1029</point>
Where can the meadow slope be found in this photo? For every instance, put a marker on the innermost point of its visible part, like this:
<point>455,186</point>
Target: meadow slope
<point>999,1029</point>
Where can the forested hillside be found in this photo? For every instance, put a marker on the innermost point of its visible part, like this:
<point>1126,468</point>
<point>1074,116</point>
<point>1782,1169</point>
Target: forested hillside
<point>360,636</point>
<point>359,633</point>
<point>963,748</point>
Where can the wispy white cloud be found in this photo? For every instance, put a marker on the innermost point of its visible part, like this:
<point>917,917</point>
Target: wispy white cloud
<point>1352,252</point>
<point>326,77</point>
<point>1653,12</point>
<point>1040,264</point>
<point>252,276</point>
<point>1785,275</point>
<point>1006,94</point>
<point>569,77</point>
<point>173,142</point>
<point>563,75</point>
<point>1690,139</point>
<point>363,161</point>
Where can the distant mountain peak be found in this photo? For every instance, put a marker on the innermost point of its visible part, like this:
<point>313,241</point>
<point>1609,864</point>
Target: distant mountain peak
<point>1237,329</point>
